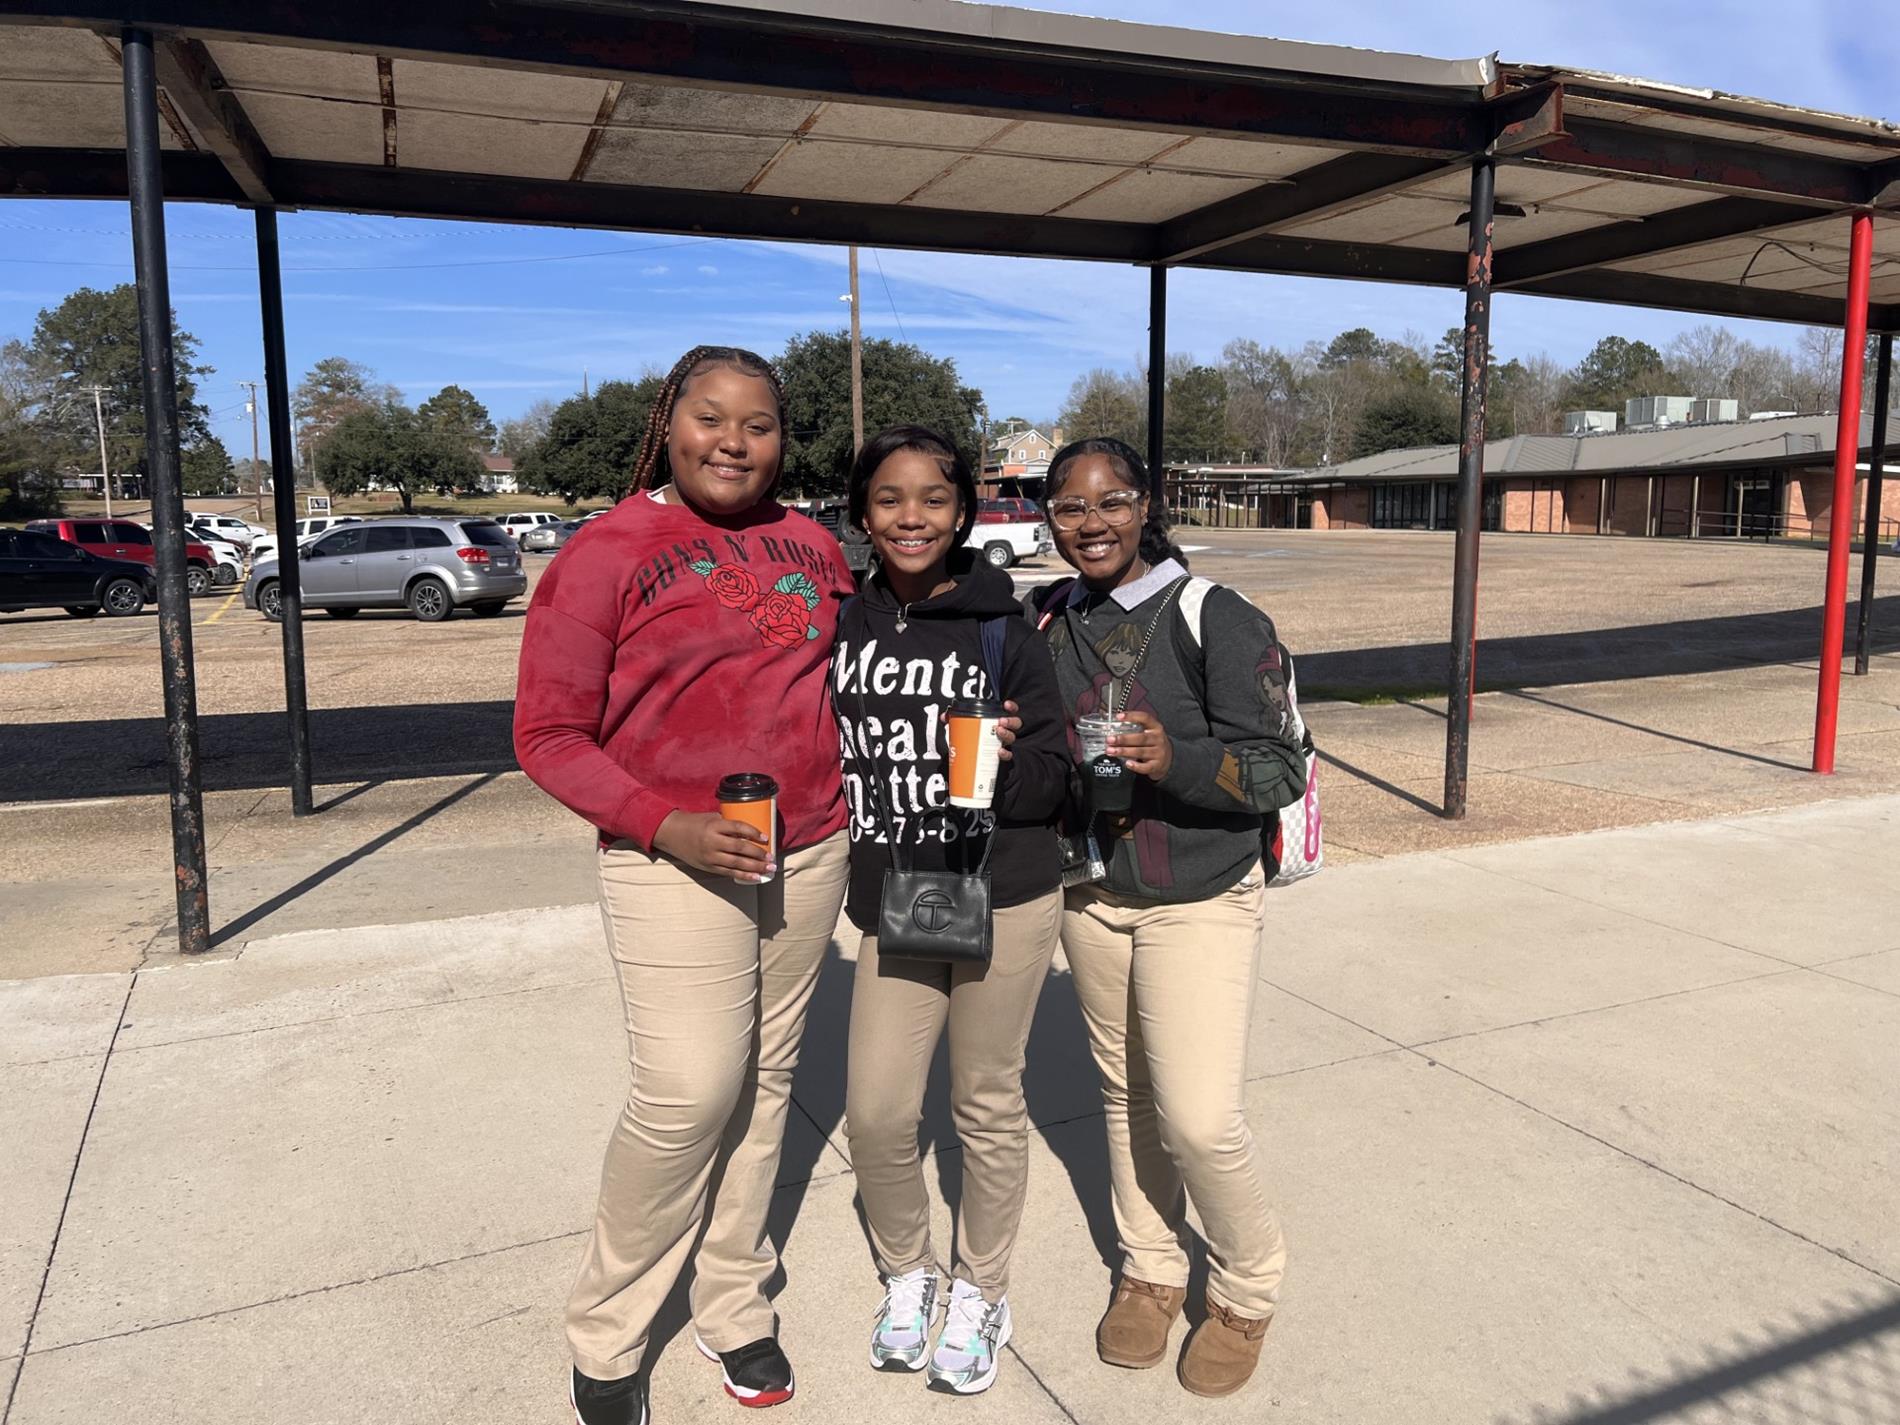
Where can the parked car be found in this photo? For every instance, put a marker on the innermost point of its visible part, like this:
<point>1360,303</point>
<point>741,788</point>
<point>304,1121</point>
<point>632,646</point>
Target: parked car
<point>230,557</point>
<point>122,539</point>
<point>38,571</point>
<point>228,527</point>
<point>1003,542</point>
<point>265,547</point>
<point>518,525</point>
<point>546,538</point>
<point>432,567</point>
<point>1004,508</point>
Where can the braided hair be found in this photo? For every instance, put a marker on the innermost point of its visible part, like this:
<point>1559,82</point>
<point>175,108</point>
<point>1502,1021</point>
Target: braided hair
<point>660,418</point>
<point>1156,545</point>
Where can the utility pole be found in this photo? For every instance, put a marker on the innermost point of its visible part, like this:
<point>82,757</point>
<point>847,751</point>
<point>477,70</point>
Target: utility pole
<point>857,362</point>
<point>257,467</point>
<point>105,467</point>
<point>584,392</point>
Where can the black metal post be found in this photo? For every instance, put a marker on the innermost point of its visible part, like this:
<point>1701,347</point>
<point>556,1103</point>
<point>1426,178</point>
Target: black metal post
<point>1157,377</point>
<point>270,288</point>
<point>1464,584</point>
<point>1870,546</point>
<point>146,186</point>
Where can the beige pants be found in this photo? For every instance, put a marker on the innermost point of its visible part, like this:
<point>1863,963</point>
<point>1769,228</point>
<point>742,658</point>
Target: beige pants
<point>898,1012</point>
<point>715,978</point>
<point>1166,992</point>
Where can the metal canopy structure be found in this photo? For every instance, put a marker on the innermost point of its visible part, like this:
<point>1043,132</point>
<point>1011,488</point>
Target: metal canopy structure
<point>974,128</point>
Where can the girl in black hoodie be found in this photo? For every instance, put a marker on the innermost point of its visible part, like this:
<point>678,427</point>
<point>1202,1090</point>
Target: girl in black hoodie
<point>906,650</point>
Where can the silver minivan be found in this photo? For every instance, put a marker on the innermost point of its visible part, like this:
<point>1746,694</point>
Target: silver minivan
<point>429,566</point>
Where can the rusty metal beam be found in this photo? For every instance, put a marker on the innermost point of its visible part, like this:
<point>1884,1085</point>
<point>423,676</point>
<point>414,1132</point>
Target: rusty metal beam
<point>1312,193</point>
<point>100,173</point>
<point>386,87</point>
<point>766,52</point>
<point>191,78</point>
<point>1687,160</point>
<point>1647,237</point>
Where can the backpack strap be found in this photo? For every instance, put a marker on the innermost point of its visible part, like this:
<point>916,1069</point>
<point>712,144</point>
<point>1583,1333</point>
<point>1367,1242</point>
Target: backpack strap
<point>1047,602</point>
<point>1192,598</point>
<point>993,632</point>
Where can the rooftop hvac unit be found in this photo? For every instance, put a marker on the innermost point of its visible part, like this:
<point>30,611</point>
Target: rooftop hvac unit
<point>1589,422</point>
<point>1657,410</point>
<point>1711,409</point>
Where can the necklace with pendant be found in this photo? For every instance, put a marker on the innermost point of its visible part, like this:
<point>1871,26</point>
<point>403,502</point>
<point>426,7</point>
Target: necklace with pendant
<point>903,616</point>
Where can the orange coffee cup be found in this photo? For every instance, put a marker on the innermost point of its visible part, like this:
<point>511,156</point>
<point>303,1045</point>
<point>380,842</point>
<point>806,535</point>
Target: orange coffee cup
<point>974,752</point>
<point>752,797</point>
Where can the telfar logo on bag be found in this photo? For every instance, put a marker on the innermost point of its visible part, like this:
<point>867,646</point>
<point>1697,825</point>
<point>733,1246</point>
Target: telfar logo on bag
<point>932,912</point>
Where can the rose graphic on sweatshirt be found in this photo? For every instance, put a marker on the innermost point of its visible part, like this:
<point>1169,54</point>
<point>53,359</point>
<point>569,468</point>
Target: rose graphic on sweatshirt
<point>781,614</point>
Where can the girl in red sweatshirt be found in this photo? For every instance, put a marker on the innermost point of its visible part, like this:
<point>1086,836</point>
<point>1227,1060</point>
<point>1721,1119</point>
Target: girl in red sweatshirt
<point>682,638</point>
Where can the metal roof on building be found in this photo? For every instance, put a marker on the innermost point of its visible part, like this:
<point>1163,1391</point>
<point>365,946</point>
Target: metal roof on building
<point>1785,440</point>
<point>976,128</point>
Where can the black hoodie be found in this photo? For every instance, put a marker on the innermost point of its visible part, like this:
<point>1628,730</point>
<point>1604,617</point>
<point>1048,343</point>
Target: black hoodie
<point>892,690</point>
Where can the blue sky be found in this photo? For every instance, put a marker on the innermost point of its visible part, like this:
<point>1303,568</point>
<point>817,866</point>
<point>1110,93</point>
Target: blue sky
<point>425,304</point>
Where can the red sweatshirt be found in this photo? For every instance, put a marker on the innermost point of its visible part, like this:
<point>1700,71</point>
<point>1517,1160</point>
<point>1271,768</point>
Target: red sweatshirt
<point>664,651</point>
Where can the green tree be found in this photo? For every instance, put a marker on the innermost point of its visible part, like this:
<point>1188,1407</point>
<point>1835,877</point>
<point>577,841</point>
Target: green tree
<point>1616,370</point>
<point>1103,402</point>
<point>589,447</point>
<point>206,468</point>
<point>388,446</point>
<point>903,384</point>
<point>1404,416</point>
<point>92,339</point>
<point>332,389</point>
<point>29,461</point>
<point>458,415</point>
<point>1359,344</point>
<point>1196,425</point>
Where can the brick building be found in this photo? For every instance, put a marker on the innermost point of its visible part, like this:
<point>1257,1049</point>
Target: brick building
<point>1763,478</point>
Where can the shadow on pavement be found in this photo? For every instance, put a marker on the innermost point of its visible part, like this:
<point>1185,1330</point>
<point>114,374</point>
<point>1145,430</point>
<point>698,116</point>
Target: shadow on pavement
<point>1593,656</point>
<point>240,751</point>
<point>1846,1370</point>
<point>256,913</point>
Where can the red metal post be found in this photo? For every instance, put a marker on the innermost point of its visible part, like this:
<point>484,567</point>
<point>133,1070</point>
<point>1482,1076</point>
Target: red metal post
<point>1840,523</point>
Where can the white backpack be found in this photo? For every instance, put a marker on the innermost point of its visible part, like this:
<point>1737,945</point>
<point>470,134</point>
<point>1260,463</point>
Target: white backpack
<point>1290,837</point>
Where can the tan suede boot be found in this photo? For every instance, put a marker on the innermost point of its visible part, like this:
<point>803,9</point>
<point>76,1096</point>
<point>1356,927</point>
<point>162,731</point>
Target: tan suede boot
<point>1134,1333</point>
<point>1222,1352</point>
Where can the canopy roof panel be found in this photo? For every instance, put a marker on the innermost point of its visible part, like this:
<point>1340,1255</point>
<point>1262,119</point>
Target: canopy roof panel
<point>935,124</point>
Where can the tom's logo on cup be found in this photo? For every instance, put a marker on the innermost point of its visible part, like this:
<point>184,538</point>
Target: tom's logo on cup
<point>974,751</point>
<point>752,797</point>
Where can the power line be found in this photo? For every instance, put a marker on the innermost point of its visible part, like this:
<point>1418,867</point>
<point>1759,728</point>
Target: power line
<point>887,294</point>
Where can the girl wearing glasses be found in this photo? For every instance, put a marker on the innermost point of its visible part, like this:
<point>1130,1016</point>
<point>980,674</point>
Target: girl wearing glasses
<point>1164,944</point>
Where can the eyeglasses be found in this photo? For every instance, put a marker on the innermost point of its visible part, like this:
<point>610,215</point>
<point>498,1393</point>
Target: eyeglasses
<point>1116,510</point>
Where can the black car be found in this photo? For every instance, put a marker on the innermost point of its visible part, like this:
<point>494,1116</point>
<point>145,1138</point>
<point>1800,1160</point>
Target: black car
<point>38,571</point>
<point>856,543</point>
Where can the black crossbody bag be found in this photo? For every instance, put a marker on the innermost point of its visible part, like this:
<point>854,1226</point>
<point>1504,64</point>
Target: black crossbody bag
<point>941,916</point>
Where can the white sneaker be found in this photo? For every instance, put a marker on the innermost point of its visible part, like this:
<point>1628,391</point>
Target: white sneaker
<point>900,1340</point>
<point>968,1351</point>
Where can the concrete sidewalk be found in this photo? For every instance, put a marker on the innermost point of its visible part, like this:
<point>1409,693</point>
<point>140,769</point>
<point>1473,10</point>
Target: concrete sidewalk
<point>1591,1129</point>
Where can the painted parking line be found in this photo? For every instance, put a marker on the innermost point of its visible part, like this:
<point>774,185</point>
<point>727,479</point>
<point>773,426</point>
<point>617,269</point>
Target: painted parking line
<point>224,608</point>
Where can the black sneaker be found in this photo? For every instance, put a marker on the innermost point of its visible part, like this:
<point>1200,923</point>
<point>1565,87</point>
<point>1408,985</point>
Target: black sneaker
<point>608,1402</point>
<point>757,1374</point>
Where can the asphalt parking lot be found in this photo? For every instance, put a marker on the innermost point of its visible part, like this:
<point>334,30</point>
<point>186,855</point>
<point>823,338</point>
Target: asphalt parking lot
<point>1367,613</point>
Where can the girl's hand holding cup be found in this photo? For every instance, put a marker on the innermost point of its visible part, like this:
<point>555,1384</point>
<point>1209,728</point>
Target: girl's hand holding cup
<point>1007,728</point>
<point>1150,751</point>
<point>708,842</point>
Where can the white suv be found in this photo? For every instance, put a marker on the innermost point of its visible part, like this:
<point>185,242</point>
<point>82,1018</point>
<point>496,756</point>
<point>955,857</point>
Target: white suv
<point>518,525</point>
<point>266,546</point>
<point>228,527</point>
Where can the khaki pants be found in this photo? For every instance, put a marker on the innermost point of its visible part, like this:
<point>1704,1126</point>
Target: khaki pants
<point>898,1012</point>
<point>1166,992</point>
<point>715,978</point>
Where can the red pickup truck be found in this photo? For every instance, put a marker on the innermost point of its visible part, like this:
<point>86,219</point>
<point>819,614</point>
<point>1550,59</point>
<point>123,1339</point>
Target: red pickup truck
<point>121,539</point>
